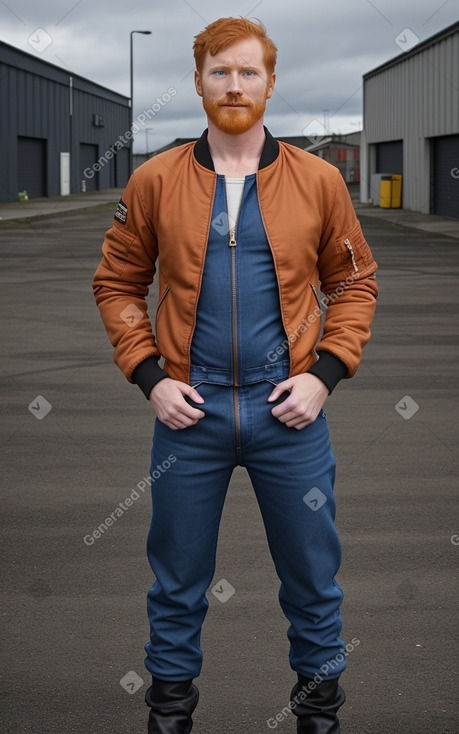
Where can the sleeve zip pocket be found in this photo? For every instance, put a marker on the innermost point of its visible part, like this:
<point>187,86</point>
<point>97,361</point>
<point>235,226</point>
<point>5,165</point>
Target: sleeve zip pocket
<point>348,244</point>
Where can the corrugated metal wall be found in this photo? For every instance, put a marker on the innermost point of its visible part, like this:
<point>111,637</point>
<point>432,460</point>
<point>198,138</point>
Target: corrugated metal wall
<point>414,99</point>
<point>35,103</point>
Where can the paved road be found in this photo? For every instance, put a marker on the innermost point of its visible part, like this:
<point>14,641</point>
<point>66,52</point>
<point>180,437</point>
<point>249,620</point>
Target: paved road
<point>74,620</point>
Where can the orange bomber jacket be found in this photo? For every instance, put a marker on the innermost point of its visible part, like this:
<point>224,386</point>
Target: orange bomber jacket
<point>162,222</point>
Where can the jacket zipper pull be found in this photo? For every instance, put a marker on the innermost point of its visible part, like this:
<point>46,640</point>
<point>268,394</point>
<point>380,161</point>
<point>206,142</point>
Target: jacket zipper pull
<point>232,240</point>
<point>347,242</point>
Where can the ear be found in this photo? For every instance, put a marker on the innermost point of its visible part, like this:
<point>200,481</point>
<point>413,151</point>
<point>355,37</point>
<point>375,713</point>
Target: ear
<point>197,83</point>
<point>271,83</point>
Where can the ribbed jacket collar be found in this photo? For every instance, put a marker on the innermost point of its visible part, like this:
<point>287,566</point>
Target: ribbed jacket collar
<point>268,155</point>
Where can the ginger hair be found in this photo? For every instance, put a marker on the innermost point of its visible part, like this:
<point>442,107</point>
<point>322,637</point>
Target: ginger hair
<point>222,33</point>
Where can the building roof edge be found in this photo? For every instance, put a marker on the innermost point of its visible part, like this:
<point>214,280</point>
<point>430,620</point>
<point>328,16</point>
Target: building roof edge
<point>421,46</point>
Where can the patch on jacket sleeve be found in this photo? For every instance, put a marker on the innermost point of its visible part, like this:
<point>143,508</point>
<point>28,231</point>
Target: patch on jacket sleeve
<point>121,212</point>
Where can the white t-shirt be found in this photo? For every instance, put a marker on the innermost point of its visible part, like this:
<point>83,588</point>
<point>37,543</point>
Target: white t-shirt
<point>234,191</point>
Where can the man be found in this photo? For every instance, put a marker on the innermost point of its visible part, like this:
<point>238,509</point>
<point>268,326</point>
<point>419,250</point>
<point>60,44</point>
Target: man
<point>244,228</point>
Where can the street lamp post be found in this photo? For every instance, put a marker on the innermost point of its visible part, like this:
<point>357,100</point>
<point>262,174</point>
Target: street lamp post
<point>145,33</point>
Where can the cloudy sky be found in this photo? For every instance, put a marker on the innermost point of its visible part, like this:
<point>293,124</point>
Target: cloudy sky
<point>324,48</point>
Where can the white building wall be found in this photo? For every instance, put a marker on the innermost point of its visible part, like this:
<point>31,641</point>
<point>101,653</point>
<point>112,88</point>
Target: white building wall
<point>413,99</point>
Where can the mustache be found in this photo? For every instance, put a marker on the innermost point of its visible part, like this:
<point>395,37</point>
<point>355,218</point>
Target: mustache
<point>228,102</point>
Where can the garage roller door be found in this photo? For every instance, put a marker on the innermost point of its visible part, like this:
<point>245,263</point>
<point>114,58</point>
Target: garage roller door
<point>32,166</point>
<point>389,157</point>
<point>88,157</point>
<point>446,176</point>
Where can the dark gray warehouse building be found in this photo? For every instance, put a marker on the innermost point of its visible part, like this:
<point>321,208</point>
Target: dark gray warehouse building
<point>59,133</point>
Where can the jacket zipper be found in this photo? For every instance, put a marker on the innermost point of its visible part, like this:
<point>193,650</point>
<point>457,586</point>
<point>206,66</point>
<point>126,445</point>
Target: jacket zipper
<point>237,420</point>
<point>274,262</point>
<point>347,242</point>
<point>314,290</point>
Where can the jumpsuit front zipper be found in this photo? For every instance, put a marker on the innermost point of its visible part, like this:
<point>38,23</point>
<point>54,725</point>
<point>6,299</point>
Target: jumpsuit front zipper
<point>232,243</point>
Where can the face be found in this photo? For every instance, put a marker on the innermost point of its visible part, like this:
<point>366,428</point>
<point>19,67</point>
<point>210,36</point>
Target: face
<point>234,86</point>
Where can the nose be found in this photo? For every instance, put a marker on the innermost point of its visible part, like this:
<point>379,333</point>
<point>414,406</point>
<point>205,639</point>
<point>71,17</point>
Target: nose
<point>234,83</point>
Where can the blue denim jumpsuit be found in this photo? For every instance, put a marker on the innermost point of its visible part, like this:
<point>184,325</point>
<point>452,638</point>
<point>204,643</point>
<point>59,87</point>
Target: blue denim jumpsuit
<point>292,472</point>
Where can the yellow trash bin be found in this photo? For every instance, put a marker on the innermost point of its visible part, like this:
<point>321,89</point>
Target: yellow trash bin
<point>385,192</point>
<point>396,194</point>
<point>390,191</point>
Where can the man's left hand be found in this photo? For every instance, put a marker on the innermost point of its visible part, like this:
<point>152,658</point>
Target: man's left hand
<point>307,396</point>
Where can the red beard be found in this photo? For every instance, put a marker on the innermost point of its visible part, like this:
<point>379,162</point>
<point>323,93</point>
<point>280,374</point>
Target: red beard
<point>234,121</point>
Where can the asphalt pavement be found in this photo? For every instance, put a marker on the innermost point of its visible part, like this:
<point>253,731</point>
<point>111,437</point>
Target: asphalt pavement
<point>74,448</point>
<point>55,206</point>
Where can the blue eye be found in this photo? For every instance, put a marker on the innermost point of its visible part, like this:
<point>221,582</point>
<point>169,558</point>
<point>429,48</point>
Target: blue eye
<point>219,73</point>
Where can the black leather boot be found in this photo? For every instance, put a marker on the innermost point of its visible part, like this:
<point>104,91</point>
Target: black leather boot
<point>171,705</point>
<point>316,705</point>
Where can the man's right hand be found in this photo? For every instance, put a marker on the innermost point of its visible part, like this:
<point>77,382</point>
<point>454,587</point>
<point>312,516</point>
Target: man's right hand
<point>167,398</point>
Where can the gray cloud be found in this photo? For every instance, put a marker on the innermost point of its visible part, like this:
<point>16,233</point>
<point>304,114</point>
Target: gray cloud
<point>324,49</point>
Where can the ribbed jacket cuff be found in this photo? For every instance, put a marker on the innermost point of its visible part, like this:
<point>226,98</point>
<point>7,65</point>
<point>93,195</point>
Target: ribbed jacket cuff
<point>329,369</point>
<point>147,374</point>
